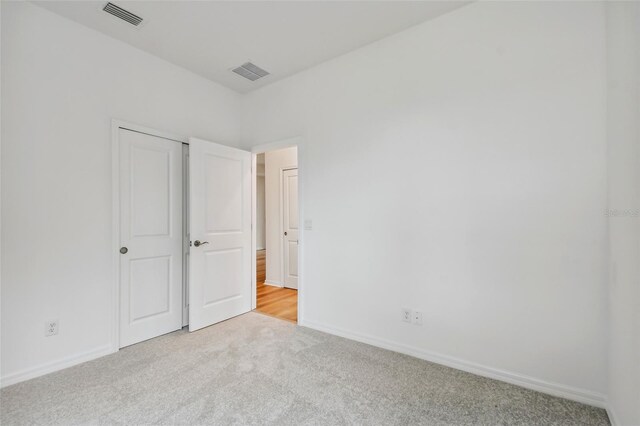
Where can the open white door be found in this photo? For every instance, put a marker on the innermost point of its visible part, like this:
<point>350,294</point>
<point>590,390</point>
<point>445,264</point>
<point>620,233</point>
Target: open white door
<point>220,231</point>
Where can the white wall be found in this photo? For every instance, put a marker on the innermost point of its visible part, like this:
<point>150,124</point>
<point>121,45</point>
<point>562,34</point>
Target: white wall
<point>623,30</point>
<point>275,161</point>
<point>459,168</point>
<point>61,85</point>
<point>260,212</point>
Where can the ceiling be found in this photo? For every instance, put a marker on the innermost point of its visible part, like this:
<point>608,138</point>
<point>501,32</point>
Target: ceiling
<point>284,37</point>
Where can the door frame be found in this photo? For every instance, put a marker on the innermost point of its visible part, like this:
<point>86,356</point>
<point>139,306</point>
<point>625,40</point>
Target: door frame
<point>116,125</point>
<point>296,141</point>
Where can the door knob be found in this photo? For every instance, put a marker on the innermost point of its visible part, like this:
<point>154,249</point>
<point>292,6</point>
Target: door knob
<point>124,250</point>
<point>199,243</point>
<point>285,233</point>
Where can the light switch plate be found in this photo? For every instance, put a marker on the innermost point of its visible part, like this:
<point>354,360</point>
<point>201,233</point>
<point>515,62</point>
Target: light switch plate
<point>308,224</point>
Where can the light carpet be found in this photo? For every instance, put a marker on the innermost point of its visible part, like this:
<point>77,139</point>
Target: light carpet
<point>254,369</point>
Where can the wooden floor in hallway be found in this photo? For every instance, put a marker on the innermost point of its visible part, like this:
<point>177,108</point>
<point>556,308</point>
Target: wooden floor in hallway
<point>277,302</point>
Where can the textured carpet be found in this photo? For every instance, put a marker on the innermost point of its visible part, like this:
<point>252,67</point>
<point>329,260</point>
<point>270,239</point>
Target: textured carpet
<point>255,369</point>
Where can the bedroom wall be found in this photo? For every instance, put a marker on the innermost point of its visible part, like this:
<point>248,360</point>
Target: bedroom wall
<point>62,84</point>
<point>459,169</point>
<point>623,133</point>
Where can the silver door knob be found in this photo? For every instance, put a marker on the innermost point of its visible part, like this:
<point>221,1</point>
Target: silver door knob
<point>199,243</point>
<point>124,250</point>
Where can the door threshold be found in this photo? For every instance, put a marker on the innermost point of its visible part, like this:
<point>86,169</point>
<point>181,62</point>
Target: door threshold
<point>257,311</point>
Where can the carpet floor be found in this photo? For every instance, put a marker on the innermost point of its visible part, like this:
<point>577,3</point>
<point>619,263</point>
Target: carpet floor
<point>254,369</point>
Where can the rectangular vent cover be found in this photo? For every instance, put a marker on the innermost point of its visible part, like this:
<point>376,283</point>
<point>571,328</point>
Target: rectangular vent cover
<point>125,15</point>
<point>250,71</point>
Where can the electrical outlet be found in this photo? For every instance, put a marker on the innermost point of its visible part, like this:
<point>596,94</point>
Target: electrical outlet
<point>51,328</point>
<point>406,315</point>
<point>417,317</point>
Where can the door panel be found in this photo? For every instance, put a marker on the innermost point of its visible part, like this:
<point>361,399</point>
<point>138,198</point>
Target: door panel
<point>225,266</point>
<point>223,182</point>
<point>292,258</point>
<point>290,216</point>
<point>150,192</point>
<point>220,218</point>
<point>151,230</point>
<point>150,287</point>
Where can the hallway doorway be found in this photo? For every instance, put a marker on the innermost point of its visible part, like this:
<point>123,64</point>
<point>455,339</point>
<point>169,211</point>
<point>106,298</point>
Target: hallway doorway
<point>276,219</point>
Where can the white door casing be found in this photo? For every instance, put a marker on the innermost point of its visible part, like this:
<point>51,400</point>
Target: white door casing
<point>150,188</point>
<point>185,235</point>
<point>290,226</point>
<point>220,221</point>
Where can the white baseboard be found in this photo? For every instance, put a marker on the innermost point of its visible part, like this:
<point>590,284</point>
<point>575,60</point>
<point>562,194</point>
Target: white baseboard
<point>50,367</point>
<point>575,394</point>
<point>555,389</point>
<point>274,283</point>
<point>612,415</point>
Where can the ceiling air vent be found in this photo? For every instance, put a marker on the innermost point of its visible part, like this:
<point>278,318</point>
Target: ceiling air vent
<point>125,15</point>
<point>250,71</point>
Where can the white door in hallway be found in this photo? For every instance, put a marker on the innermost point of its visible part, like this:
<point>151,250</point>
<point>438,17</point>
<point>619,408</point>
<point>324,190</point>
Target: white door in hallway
<point>290,217</point>
<point>220,232</point>
<point>150,185</point>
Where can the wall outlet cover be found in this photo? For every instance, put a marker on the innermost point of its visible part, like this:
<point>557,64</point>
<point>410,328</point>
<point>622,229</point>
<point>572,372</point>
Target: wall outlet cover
<point>51,327</point>
<point>406,315</point>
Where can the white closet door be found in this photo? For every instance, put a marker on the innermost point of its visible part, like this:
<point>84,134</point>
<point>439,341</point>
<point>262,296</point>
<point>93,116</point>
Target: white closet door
<point>220,230</point>
<point>291,228</point>
<point>150,236</point>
